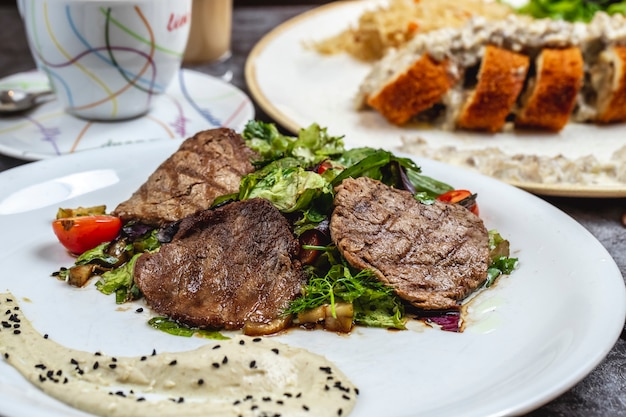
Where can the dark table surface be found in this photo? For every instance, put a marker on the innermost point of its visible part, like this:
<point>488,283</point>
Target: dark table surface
<point>601,394</point>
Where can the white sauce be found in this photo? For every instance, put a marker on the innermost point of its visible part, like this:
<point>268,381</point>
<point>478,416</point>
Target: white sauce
<point>243,376</point>
<point>526,168</point>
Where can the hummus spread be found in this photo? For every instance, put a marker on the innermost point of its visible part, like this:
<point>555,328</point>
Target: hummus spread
<point>243,376</point>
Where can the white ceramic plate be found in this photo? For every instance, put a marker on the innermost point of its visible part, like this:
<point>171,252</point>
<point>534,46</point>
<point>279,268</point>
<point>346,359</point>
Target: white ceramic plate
<point>193,102</point>
<point>297,86</point>
<point>528,339</point>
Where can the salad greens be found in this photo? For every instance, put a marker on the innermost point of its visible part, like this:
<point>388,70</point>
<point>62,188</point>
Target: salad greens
<point>298,175</point>
<point>571,10</point>
<point>374,304</point>
<point>173,327</point>
<point>301,184</point>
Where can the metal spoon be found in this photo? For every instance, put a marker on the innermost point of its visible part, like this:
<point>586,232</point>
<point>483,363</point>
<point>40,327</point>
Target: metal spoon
<point>13,101</point>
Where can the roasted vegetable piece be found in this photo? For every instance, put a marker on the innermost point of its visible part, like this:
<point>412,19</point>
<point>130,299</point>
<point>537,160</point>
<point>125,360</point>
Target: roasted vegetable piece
<point>337,319</point>
<point>79,275</point>
<point>64,213</point>
<point>79,234</point>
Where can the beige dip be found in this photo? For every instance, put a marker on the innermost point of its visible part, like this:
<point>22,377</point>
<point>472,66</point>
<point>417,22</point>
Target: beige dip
<point>243,376</point>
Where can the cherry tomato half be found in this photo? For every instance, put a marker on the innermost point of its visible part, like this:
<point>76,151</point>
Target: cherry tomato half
<point>456,196</point>
<point>79,234</point>
<point>323,167</point>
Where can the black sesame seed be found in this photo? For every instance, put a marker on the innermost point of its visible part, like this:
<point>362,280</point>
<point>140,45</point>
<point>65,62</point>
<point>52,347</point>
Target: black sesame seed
<point>181,400</point>
<point>6,356</point>
<point>216,365</point>
<point>225,360</point>
<point>356,390</point>
<point>266,399</point>
<point>237,402</point>
<point>216,347</point>
<point>340,412</point>
<point>40,366</point>
<point>345,397</point>
<point>42,378</point>
<point>305,407</point>
<point>65,380</point>
<point>45,336</point>
<point>114,359</point>
<point>97,354</point>
<point>242,342</point>
<point>254,407</point>
<point>59,373</point>
<point>50,374</point>
<point>16,326</point>
<point>298,395</point>
<point>73,361</point>
<point>200,381</point>
<point>256,339</point>
<point>280,402</point>
<point>6,324</point>
<point>140,399</point>
<point>96,365</point>
<point>153,352</point>
<point>341,387</point>
<point>112,366</point>
<point>143,358</point>
<point>172,363</point>
<point>288,395</point>
<point>252,364</point>
<point>120,394</point>
<point>139,310</point>
<point>326,369</point>
<point>275,350</point>
<point>326,388</point>
<point>16,331</point>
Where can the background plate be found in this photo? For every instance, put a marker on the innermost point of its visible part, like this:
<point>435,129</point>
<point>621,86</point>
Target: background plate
<point>193,102</point>
<point>528,339</point>
<point>297,86</point>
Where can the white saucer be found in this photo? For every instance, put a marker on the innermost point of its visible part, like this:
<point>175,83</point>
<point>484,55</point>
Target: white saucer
<point>193,102</point>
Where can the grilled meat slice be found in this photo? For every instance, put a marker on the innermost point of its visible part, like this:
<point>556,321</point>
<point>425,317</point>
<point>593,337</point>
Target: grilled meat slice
<point>433,255</point>
<point>224,268</point>
<point>207,165</point>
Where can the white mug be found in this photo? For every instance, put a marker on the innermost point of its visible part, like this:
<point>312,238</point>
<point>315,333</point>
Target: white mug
<point>107,59</point>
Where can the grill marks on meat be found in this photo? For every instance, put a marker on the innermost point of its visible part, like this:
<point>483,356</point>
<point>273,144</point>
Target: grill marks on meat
<point>207,165</point>
<point>432,255</point>
<point>224,267</point>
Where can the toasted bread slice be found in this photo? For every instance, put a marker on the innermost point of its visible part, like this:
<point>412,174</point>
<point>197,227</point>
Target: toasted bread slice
<point>611,90</point>
<point>500,81</point>
<point>410,92</point>
<point>551,95</point>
